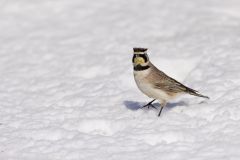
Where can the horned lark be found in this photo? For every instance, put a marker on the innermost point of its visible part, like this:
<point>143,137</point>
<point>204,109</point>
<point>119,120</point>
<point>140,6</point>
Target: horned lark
<point>154,83</point>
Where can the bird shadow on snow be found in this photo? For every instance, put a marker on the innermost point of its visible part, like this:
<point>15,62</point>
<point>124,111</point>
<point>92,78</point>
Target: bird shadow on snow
<point>133,105</point>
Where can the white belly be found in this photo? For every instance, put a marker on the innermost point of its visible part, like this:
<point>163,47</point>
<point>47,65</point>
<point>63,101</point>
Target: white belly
<point>148,88</point>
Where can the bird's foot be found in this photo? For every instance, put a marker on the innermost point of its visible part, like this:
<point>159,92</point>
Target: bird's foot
<point>160,112</point>
<point>163,104</point>
<point>149,105</point>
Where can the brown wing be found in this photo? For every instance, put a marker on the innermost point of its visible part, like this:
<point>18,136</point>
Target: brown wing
<point>162,81</point>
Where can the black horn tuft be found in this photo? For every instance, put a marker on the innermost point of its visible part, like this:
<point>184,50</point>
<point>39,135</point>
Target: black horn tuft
<point>140,49</point>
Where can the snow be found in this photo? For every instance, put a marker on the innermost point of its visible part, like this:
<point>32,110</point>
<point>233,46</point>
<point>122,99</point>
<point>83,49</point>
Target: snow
<point>67,89</point>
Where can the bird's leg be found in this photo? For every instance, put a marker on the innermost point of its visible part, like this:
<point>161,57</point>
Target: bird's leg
<point>150,104</point>
<point>163,104</point>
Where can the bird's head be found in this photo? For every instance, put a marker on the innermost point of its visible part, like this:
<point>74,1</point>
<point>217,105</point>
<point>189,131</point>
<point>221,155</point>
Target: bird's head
<point>140,57</point>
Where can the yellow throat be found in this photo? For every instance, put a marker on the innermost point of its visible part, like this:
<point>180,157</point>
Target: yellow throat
<point>139,60</point>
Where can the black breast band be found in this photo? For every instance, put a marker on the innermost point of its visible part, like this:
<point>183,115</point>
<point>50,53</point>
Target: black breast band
<point>140,68</point>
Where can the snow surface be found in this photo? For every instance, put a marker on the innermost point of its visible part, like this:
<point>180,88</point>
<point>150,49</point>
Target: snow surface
<point>67,90</point>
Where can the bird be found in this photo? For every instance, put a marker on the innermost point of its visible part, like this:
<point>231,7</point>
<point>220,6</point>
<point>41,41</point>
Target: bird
<point>156,84</point>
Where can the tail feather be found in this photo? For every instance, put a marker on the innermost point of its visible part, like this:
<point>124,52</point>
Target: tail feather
<point>195,93</point>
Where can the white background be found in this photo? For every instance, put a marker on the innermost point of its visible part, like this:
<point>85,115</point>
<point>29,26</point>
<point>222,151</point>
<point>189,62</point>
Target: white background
<point>67,90</point>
